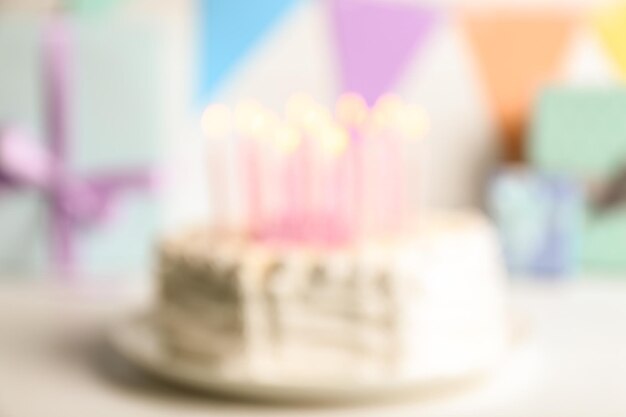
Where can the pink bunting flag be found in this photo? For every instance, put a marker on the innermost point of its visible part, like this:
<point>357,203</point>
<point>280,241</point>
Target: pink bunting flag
<point>376,41</point>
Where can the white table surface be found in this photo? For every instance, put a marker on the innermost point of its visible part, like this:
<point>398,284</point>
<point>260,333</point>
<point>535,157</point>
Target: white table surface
<point>53,363</point>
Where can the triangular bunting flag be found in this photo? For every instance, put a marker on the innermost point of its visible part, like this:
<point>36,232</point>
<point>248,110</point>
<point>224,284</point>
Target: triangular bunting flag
<point>517,52</point>
<point>376,40</point>
<point>610,24</point>
<point>228,29</point>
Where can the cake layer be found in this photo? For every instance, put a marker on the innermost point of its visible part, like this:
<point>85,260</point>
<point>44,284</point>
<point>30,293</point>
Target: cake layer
<point>428,301</point>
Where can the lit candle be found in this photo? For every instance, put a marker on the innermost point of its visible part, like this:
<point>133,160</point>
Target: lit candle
<point>308,116</point>
<point>351,111</point>
<point>268,172</point>
<point>334,181</point>
<point>313,179</point>
<point>216,125</point>
<point>287,140</point>
<point>253,123</point>
<point>387,110</point>
<point>315,122</point>
<point>375,193</point>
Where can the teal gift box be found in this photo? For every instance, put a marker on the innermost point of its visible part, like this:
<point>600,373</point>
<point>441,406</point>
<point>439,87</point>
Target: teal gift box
<point>539,221</point>
<point>113,127</point>
<point>582,132</point>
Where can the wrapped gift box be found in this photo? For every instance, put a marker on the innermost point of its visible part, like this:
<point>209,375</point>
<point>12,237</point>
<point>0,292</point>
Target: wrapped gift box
<point>114,126</point>
<point>23,239</point>
<point>582,132</point>
<point>539,218</point>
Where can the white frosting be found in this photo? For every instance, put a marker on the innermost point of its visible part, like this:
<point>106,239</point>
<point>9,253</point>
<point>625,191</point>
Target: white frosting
<point>429,303</point>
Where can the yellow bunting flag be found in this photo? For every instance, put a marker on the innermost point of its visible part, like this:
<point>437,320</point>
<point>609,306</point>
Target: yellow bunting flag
<point>610,23</point>
<point>517,52</point>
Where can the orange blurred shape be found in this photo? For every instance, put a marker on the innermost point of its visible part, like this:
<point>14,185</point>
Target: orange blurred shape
<point>517,52</point>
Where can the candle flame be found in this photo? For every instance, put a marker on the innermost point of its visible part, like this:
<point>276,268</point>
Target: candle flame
<point>334,140</point>
<point>351,109</point>
<point>389,104</point>
<point>287,138</point>
<point>297,105</point>
<point>253,120</point>
<point>316,117</point>
<point>271,121</point>
<point>413,121</point>
<point>386,111</point>
<point>302,110</point>
<point>216,120</point>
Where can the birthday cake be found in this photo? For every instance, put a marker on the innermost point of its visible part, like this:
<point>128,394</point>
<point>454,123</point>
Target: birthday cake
<point>346,291</point>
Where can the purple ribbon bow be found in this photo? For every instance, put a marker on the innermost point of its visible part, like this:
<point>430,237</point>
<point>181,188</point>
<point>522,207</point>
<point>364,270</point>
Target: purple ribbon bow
<point>74,201</point>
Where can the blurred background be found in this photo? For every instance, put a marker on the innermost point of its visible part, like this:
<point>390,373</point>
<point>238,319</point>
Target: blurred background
<point>102,151</point>
<point>139,75</point>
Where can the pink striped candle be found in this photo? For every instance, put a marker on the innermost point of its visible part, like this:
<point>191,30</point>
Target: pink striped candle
<point>334,183</point>
<point>387,112</point>
<point>303,179</point>
<point>286,140</point>
<point>394,213</point>
<point>252,165</point>
<point>323,181</point>
<point>351,111</point>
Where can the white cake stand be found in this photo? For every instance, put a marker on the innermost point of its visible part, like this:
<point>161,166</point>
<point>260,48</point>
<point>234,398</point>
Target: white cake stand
<point>137,340</point>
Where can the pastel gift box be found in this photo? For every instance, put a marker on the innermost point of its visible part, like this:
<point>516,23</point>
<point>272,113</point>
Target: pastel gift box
<point>114,126</point>
<point>582,132</point>
<point>539,218</point>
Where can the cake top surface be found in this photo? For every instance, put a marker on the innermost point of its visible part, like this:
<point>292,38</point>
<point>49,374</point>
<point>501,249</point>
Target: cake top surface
<point>431,228</point>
